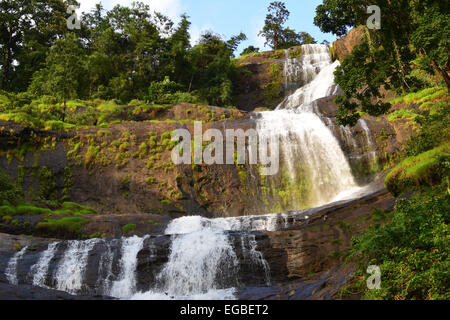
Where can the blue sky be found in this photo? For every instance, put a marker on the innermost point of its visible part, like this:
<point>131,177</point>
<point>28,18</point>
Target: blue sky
<point>230,17</point>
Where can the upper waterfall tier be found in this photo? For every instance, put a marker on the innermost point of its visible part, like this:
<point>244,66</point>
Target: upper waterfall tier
<point>315,70</point>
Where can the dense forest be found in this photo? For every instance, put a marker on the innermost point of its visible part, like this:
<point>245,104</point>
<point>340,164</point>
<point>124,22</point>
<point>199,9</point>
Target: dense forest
<point>129,56</point>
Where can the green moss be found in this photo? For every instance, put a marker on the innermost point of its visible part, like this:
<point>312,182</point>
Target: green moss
<point>425,169</point>
<point>104,133</point>
<point>128,228</point>
<point>402,114</point>
<point>29,210</point>
<point>7,211</point>
<point>62,227</point>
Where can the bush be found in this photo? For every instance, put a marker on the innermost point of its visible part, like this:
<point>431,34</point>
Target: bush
<point>434,132</point>
<point>7,211</point>
<point>10,193</point>
<point>128,228</point>
<point>158,92</point>
<point>412,250</point>
<point>29,210</point>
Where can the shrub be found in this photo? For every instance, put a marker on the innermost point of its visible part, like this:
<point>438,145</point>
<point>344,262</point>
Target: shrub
<point>412,250</point>
<point>128,228</point>
<point>10,193</point>
<point>7,211</point>
<point>29,210</point>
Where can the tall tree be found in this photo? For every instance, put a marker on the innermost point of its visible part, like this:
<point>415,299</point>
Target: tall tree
<point>274,24</point>
<point>63,74</point>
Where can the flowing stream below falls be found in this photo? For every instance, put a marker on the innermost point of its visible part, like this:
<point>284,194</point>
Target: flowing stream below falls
<point>199,258</point>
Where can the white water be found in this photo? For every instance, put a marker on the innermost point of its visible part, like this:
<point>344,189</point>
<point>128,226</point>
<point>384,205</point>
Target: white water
<point>11,269</point>
<point>70,274</point>
<point>305,68</point>
<point>40,269</point>
<point>316,69</point>
<point>125,287</point>
<point>306,140</point>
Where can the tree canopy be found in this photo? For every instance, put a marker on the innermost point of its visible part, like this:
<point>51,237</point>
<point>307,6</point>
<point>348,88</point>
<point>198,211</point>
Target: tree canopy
<point>280,37</point>
<point>414,35</point>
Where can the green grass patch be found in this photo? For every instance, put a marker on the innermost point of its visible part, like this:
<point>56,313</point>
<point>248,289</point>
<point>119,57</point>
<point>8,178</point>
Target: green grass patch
<point>62,227</point>
<point>126,229</point>
<point>402,114</point>
<point>425,169</point>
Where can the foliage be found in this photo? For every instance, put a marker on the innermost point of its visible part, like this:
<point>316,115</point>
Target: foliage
<point>249,50</point>
<point>383,59</point>
<point>277,36</point>
<point>433,133</point>
<point>425,169</point>
<point>10,193</point>
<point>128,228</point>
<point>62,227</point>
<point>412,250</point>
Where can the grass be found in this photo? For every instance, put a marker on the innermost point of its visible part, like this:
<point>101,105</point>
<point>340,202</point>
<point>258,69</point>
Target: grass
<point>402,114</point>
<point>67,209</point>
<point>424,169</point>
<point>62,226</point>
<point>421,97</point>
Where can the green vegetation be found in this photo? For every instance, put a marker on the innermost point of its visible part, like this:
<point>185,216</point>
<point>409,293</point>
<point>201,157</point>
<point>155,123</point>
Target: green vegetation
<point>395,57</point>
<point>280,37</point>
<point>425,169</point>
<point>62,227</point>
<point>126,229</point>
<point>403,114</point>
<point>412,250</point>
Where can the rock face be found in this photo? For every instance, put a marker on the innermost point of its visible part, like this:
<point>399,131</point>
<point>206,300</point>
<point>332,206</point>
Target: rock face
<point>262,81</point>
<point>303,257</point>
<point>344,46</point>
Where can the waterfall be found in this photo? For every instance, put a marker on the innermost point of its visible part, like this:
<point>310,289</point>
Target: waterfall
<point>206,255</point>
<point>70,273</point>
<point>317,167</point>
<point>307,144</point>
<point>370,142</point>
<point>302,70</point>
<point>11,269</point>
<point>315,71</point>
<point>40,269</point>
<point>201,259</point>
<point>126,285</point>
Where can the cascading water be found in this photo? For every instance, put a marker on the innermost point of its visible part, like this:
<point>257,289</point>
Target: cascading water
<point>11,270</point>
<point>205,255</point>
<point>70,273</point>
<point>40,269</point>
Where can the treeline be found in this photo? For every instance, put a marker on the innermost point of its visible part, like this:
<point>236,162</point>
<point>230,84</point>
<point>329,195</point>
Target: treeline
<point>123,54</point>
<point>116,54</point>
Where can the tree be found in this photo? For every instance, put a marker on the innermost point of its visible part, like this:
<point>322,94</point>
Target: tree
<point>249,50</point>
<point>63,72</point>
<point>27,31</point>
<point>390,52</point>
<point>234,42</point>
<point>273,28</point>
<point>279,37</point>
